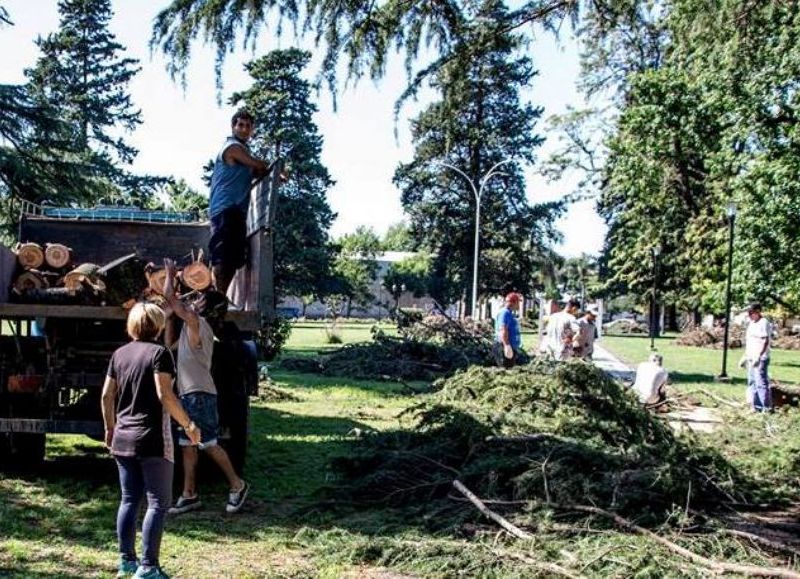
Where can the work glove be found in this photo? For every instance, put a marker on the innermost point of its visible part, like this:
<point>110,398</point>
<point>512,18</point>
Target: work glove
<point>508,351</point>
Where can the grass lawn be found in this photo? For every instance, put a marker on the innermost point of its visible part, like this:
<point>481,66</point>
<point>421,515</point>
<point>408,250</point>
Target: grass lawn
<point>311,337</point>
<point>697,367</point>
<point>59,521</point>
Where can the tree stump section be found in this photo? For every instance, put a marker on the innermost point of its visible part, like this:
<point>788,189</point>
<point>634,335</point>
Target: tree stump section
<point>30,255</point>
<point>196,276</point>
<point>57,255</point>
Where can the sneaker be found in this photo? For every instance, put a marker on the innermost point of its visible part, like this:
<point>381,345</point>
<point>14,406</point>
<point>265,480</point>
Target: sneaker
<point>184,505</point>
<point>236,499</point>
<point>151,573</point>
<point>126,568</point>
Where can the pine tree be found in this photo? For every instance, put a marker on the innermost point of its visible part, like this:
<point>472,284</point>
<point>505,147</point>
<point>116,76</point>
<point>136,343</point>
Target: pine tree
<point>83,75</point>
<point>280,101</point>
<point>479,122</point>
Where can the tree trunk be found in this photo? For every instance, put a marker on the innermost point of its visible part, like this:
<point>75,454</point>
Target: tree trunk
<point>672,318</point>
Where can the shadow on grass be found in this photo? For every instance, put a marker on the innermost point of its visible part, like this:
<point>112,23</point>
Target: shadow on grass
<point>376,388</point>
<point>700,378</point>
<point>73,496</point>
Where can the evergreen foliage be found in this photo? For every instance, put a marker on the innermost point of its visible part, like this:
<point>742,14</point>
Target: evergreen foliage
<point>365,34</point>
<point>84,78</point>
<point>479,122</point>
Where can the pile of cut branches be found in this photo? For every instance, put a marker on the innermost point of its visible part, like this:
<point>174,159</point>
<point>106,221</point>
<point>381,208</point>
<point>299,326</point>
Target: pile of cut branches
<point>428,349</point>
<point>787,340</point>
<point>624,327</point>
<point>524,447</point>
<point>564,434</point>
<point>701,337</point>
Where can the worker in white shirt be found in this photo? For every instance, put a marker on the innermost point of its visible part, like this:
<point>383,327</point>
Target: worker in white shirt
<point>561,329</point>
<point>756,346</point>
<point>651,380</point>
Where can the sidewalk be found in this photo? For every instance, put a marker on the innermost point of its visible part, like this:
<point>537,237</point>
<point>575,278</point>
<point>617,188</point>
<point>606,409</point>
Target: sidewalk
<point>611,365</point>
<point>699,419</point>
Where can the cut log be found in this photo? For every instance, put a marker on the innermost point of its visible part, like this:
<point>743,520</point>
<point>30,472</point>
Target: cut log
<point>30,255</point>
<point>196,276</point>
<point>86,273</point>
<point>57,255</point>
<point>85,296</point>
<point>29,280</point>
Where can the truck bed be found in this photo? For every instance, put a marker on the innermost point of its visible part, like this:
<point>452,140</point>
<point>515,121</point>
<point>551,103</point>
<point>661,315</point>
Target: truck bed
<point>103,241</point>
<point>247,321</point>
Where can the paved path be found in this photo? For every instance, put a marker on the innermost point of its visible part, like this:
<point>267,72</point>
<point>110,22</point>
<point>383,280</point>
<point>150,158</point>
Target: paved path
<point>698,419</point>
<point>612,365</point>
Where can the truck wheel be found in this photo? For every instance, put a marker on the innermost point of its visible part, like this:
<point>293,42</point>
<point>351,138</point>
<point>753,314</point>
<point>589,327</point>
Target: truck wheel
<point>26,449</point>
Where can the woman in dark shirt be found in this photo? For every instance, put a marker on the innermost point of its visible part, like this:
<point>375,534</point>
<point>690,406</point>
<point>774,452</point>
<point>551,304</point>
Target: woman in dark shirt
<point>137,404</point>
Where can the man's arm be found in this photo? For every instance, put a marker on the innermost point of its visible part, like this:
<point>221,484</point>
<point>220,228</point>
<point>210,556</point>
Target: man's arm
<point>189,316</point>
<point>235,154</point>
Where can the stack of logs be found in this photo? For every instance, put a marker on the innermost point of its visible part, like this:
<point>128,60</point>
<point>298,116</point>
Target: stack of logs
<point>48,275</point>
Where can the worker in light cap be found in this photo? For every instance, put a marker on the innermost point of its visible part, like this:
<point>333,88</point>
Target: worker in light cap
<point>508,338</point>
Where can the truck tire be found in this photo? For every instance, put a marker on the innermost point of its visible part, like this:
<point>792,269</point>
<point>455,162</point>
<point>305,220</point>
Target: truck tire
<point>22,450</point>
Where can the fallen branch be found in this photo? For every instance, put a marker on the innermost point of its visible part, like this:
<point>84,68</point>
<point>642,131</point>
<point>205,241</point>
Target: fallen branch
<point>532,438</point>
<point>479,504</point>
<point>717,566</point>
<point>551,568</point>
<point>713,396</point>
<point>774,545</point>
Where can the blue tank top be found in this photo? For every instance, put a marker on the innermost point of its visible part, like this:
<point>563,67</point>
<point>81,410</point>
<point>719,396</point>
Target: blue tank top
<point>230,184</point>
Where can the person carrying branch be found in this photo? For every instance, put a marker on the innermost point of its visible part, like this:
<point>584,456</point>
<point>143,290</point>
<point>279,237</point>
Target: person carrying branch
<point>195,346</point>
<point>583,340</point>
<point>235,167</point>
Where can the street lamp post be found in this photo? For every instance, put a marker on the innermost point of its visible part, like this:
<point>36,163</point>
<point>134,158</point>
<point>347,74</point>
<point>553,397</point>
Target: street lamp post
<point>730,213</point>
<point>655,251</point>
<point>478,192</point>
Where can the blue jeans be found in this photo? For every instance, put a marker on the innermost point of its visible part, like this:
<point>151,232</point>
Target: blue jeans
<point>139,476</point>
<point>202,409</point>
<point>758,381</point>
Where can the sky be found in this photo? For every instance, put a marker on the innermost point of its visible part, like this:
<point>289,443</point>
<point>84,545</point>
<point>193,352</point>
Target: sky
<point>183,128</point>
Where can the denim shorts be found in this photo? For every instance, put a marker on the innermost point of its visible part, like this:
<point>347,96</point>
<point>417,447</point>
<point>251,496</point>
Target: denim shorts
<point>202,409</point>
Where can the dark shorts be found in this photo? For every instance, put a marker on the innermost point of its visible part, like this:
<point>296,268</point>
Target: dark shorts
<point>500,359</point>
<point>202,409</point>
<point>228,244</point>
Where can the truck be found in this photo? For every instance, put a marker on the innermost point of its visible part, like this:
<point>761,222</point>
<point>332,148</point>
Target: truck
<point>53,358</point>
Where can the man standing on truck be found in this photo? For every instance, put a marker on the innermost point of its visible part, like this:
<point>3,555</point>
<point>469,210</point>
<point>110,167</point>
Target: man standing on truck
<point>198,394</point>
<point>234,170</point>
